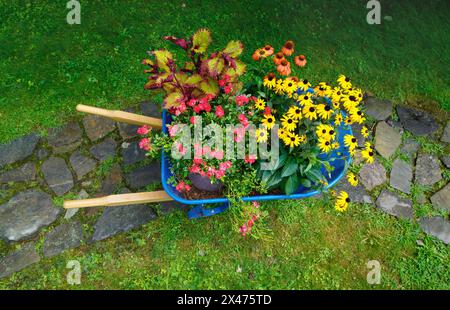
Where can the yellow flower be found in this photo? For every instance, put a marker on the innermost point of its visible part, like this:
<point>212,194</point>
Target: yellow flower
<point>352,179</point>
<point>342,201</point>
<point>261,135</point>
<point>292,140</point>
<point>295,112</point>
<point>279,89</point>
<point>323,89</point>
<point>336,95</point>
<point>268,121</point>
<point>282,133</point>
<point>305,99</point>
<point>289,86</point>
<point>357,93</point>
<point>303,138</point>
<point>344,82</point>
<point>304,85</point>
<point>260,104</point>
<point>357,116</point>
<point>348,121</point>
<point>368,154</point>
<point>335,145</point>
<point>338,119</point>
<point>350,142</point>
<point>270,81</point>
<point>325,131</point>
<point>309,111</point>
<point>324,145</point>
<point>350,102</point>
<point>289,123</point>
<point>364,132</point>
<point>324,111</point>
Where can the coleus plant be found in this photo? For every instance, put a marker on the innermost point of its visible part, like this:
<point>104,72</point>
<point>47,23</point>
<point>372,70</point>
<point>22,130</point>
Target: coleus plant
<point>200,74</point>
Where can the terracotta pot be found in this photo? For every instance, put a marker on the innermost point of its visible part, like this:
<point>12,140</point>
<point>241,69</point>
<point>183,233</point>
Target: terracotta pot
<point>204,183</point>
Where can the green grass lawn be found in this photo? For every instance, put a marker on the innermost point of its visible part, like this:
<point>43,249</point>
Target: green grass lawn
<point>49,66</point>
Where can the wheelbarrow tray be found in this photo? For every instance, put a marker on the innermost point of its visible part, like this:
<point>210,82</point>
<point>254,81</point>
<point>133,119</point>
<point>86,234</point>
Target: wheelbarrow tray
<point>302,192</point>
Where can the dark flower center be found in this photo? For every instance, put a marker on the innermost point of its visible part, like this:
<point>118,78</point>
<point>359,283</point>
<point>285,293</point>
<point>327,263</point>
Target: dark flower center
<point>290,84</point>
<point>289,121</point>
<point>297,111</point>
<point>311,109</point>
<point>347,200</point>
<point>331,132</point>
<point>352,98</point>
<point>327,108</point>
<point>306,97</point>
<point>292,139</point>
<point>353,140</point>
<point>359,113</point>
<point>269,120</point>
<point>327,143</point>
<point>324,131</point>
<point>370,154</point>
<point>347,79</point>
<point>305,82</point>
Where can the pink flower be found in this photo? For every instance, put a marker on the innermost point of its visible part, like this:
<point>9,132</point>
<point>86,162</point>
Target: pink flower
<point>243,229</point>
<point>267,111</point>
<point>207,107</point>
<point>219,174</point>
<point>250,223</point>
<point>143,130</point>
<point>197,161</point>
<point>172,130</point>
<point>222,83</point>
<point>227,89</point>
<point>255,204</point>
<point>225,165</point>
<point>192,120</point>
<point>241,100</point>
<point>192,102</point>
<point>183,186</point>
<point>181,149</point>
<point>239,134</point>
<point>144,144</point>
<point>250,159</point>
<point>194,169</point>
<point>197,109</point>
<point>243,120</point>
<point>219,111</point>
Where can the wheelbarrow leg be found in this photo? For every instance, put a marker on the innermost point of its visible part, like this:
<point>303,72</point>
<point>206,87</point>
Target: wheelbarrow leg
<point>200,211</point>
<point>124,117</point>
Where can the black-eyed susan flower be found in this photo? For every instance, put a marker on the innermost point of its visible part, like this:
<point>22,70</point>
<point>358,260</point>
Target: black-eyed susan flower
<point>292,140</point>
<point>365,132</point>
<point>261,135</point>
<point>303,138</point>
<point>344,81</point>
<point>352,179</point>
<point>357,116</point>
<point>325,145</point>
<point>295,112</point>
<point>268,121</point>
<point>350,142</point>
<point>270,80</point>
<point>305,99</point>
<point>310,111</point>
<point>260,104</point>
<point>304,85</point>
<point>323,89</point>
<point>342,202</point>
<point>368,154</point>
<point>336,94</point>
<point>335,145</point>
<point>282,133</point>
<point>350,102</point>
<point>289,86</point>
<point>325,131</point>
<point>338,119</point>
<point>279,89</point>
<point>288,123</point>
<point>324,111</point>
<point>348,121</point>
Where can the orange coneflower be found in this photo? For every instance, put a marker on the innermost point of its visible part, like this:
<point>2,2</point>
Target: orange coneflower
<point>288,48</point>
<point>256,56</point>
<point>300,60</point>
<point>268,49</point>
<point>279,57</point>
<point>284,68</point>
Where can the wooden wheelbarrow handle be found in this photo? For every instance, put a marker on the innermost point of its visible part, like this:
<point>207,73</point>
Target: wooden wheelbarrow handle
<point>120,116</point>
<point>119,200</point>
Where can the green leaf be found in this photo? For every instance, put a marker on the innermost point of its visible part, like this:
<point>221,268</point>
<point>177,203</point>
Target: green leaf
<point>234,48</point>
<point>291,184</point>
<point>290,167</point>
<point>274,180</point>
<point>173,100</point>
<point>306,182</point>
<point>215,66</point>
<point>201,41</point>
<point>194,79</point>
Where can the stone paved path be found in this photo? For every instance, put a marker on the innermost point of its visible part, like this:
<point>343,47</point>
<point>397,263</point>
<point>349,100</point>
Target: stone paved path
<point>95,157</point>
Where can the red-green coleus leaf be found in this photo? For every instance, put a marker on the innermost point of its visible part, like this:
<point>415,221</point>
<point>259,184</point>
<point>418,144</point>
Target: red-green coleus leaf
<point>209,86</point>
<point>194,79</point>
<point>234,48</point>
<point>163,59</point>
<point>238,70</point>
<point>201,40</point>
<point>173,99</point>
<point>180,42</point>
<point>215,66</point>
